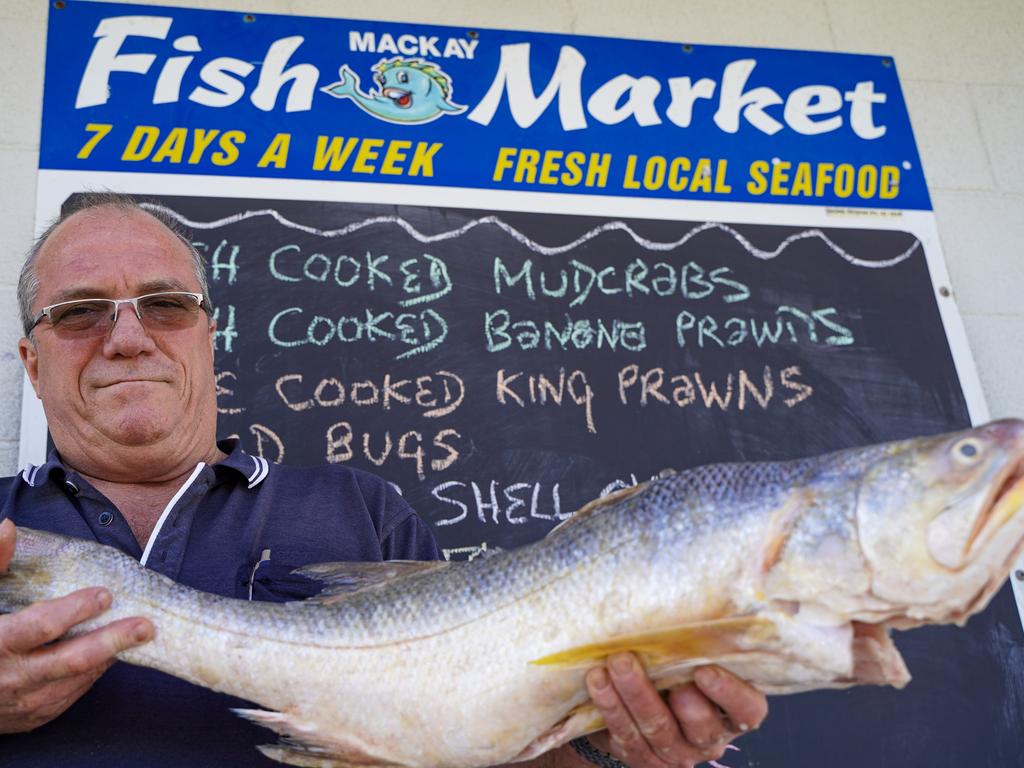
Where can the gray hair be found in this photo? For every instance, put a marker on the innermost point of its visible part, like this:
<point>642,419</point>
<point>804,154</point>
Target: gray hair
<point>28,280</point>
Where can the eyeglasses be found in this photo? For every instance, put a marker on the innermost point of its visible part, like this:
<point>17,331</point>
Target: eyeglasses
<point>89,318</point>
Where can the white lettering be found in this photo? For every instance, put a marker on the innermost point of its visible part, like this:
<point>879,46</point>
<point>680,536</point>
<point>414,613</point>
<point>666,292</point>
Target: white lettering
<point>813,100</point>
<point>861,98</point>
<point>273,76</point>
<point>640,94</point>
<point>94,88</point>
<point>513,76</point>
<point>735,100</point>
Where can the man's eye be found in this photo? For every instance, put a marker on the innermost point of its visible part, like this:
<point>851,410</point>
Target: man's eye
<point>79,312</point>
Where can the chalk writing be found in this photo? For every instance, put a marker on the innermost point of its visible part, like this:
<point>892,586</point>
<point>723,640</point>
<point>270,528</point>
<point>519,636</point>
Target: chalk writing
<point>421,331</point>
<point>683,389</point>
<point>437,394</point>
<point>377,449</point>
<point>637,279</point>
<point>519,502</point>
<point>502,332</point>
<point>539,388</point>
<point>789,325</point>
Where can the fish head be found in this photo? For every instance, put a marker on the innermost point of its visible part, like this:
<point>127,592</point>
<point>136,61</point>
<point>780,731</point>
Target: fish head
<point>941,519</point>
<point>405,84</point>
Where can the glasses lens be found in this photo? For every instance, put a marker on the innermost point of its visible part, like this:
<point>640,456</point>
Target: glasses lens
<point>168,311</point>
<point>83,318</point>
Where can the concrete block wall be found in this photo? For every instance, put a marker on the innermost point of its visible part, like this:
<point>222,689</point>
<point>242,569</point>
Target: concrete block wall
<point>961,66</point>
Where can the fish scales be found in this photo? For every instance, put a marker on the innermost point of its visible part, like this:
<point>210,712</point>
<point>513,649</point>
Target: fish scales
<point>791,574</point>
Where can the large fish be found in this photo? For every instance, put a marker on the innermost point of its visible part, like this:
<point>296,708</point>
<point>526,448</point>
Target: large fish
<point>789,574</point>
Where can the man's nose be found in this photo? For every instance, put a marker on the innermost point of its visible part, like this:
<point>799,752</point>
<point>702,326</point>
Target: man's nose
<point>128,336</point>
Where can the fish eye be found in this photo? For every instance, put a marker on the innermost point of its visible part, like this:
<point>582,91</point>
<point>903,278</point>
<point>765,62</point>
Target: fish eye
<point>380,78</point>
<point>967,451</point>
<point>403,77</point>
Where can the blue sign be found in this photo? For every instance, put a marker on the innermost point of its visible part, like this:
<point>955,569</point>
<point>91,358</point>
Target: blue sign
<point>171,90</point>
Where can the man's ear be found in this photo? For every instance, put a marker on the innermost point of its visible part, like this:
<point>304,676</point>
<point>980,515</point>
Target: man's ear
<point>213,331</point>
<point>30,359</point>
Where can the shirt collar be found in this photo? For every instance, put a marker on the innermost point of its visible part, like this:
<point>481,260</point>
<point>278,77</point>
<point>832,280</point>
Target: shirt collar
<point>253,468</point>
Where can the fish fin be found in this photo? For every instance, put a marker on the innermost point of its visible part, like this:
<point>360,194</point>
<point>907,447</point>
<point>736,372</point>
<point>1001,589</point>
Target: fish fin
<point>302,744</point>
<point>876,660</point>
<point>297,753</point>
<point>582,720</point>
<point>600,503</point>
<point>346,578</point>
<point>783,522</point>
<point>704,640</point>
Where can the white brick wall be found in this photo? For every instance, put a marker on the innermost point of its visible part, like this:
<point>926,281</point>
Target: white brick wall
<point>961,65</point>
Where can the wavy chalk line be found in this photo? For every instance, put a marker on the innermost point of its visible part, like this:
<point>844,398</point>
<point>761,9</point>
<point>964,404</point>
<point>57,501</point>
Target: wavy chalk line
<point>545,250</point>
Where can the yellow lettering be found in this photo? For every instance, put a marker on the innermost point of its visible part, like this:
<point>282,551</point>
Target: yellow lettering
<point>758,183</point>
<point>203,138</point>
<point>503,163</point>
<point>396,153</point>
<point>98,131</point>
<point>277,153</point>
<point>367,153</point>
<point>173,147</point>
<point>423,159</point>
<point>141,143</point>
<point>335,153</point>
<point>630,182</point>
<point>228,144</point>
<point>550,166</point>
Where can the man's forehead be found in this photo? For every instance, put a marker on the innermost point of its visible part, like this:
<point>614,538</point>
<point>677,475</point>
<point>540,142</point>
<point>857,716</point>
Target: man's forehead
<point>97,245</point>
<point>111,223</point>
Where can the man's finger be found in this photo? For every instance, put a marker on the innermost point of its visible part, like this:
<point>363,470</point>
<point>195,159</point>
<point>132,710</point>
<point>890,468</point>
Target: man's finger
<point>699,718</point>
<point>744,705</point>
<point>90,653</point>
<point>7,537</point>
<point>626,741</point>
<point>46,621</point>
<point>649,711</point>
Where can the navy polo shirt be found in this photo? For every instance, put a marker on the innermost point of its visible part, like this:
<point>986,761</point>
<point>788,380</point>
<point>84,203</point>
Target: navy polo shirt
<point>237,528</point>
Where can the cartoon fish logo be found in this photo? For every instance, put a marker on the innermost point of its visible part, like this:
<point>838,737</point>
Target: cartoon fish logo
<point>410,91</point>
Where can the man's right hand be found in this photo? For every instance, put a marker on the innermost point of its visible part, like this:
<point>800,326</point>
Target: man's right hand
<point>41,675</point>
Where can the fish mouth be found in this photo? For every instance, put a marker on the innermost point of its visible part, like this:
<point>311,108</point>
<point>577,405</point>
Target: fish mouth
<point>1005,501</point>
<point>401,98</point>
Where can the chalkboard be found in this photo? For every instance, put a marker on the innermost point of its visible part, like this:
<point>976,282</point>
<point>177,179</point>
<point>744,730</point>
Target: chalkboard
<point>502,368</point>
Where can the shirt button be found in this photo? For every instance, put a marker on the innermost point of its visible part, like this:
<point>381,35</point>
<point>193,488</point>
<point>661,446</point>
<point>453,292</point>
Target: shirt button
<point>106,518</point>
<point>72,488</point>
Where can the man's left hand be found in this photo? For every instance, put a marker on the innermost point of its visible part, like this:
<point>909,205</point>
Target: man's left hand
<point>693,724</point>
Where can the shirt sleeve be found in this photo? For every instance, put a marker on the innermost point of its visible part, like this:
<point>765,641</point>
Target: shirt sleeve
<point>411,539</point>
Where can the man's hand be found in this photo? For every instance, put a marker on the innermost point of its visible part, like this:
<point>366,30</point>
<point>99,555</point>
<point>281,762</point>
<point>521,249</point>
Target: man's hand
<point>694,725</point>
<point>40,678</point>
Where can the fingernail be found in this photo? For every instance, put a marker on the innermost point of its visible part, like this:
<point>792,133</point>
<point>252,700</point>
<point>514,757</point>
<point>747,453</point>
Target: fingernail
<point>623,664</point>
<point>141,633</point>
<point>598,679</point>
<point>103,599</point>
<point>743,727</point>
<point>707,677</point>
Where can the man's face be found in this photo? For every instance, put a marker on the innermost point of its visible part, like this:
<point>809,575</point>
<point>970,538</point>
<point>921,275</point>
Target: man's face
<point>133,387</point>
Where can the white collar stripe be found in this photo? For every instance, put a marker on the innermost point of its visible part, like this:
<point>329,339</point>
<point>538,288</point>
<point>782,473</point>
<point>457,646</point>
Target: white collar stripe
<point>28,474</point>
<point>262,470</point>
<point>167,511</point>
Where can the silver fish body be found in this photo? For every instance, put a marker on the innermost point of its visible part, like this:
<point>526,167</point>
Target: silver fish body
<point>790,574</point>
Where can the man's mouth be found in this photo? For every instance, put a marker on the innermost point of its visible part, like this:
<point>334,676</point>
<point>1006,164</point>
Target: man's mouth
<point>118,382</point>
<point>401,98</point>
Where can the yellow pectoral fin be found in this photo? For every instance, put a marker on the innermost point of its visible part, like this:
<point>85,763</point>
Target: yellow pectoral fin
<point>705,640</point>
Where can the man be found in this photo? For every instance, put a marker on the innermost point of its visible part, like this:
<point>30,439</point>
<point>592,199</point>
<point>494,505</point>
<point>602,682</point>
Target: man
<point>119,347</point>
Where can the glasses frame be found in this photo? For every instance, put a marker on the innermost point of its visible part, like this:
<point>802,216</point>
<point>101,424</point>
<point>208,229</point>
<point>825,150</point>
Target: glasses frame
<point>46,312</point>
